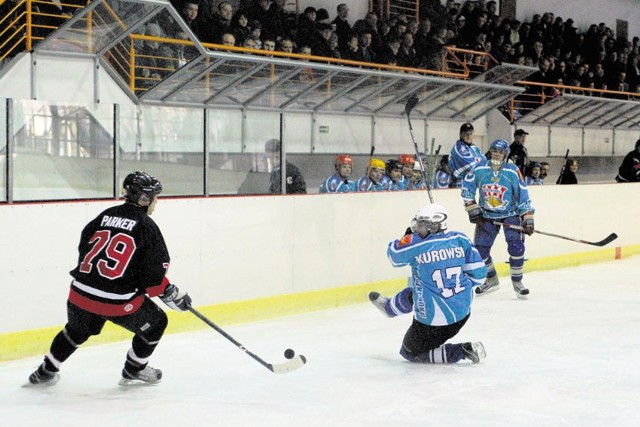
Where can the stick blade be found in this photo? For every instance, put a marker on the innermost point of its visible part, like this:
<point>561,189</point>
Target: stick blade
<point>610,238</point>
<point>411,102</point>
<point>297,362</point>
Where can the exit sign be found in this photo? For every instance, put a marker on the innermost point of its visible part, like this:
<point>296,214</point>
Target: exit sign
<point>324,129</point>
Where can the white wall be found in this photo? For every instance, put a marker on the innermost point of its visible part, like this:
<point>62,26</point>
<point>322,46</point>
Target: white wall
<point>238,248</point>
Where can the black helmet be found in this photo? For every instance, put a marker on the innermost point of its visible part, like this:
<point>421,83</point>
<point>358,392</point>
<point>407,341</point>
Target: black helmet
<point>138,183</point>
<point>391,165</point>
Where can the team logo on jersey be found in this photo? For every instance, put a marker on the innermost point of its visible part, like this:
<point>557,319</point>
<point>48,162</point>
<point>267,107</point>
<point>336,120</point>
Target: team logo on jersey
<point>404,241</point>
<point>494,195</point>
<point>128,308</point>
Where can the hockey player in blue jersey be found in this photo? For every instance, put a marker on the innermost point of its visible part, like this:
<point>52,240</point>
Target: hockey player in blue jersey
<point>445,267</point>
<point>393,178</point>
<point>442,177</point>
<point>340,182</point>
<point>372,180</point>
<point>503,199</point>
<point>464,156</point>
<point>417,181</point>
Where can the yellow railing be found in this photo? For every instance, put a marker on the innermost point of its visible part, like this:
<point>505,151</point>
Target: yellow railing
<point>28,22</point>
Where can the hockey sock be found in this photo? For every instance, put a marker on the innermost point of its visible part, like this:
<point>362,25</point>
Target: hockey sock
<point>445,354</point>
<point>134,363</point>
<point>63,346</point>
<point>401,303</point>
<point>491,269</point>
<point>516,264</point>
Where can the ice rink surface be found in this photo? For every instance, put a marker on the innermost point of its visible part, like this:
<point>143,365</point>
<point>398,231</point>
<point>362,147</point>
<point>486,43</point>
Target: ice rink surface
<point>568,356</point>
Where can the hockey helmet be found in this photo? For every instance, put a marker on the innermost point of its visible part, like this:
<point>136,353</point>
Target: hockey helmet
<point>138,184</point>
<point>407,159</point>
<point>344,159</point>
<point>391,165</point>
<point>376,164</point>
<point>499,146</point>
<point>430,219</point>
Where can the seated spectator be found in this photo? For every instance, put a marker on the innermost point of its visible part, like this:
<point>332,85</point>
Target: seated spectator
<point>340,182</point>
<point>155,60</point>
<point>240,26</point>
<point>532,175</point>
<point>568,175</point>
<point>372,179</point>
<point>285,45</point>
<point>255,31</point>
<point>629,170</point>
<point>352,52</point>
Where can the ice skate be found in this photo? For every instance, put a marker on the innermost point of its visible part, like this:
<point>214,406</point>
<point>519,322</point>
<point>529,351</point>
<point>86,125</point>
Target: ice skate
<point>490,285</point>
<point>147,376</point>
<point>521,291</point>
<point>380,302</point>
<point>474,351</point>
<point>41,377</point>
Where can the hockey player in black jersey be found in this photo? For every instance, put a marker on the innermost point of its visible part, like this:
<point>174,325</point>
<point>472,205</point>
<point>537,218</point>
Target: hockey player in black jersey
<point>122,262</point>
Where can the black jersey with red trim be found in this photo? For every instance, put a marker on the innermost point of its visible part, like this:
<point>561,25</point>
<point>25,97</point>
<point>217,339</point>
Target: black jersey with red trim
<point>122,256</point>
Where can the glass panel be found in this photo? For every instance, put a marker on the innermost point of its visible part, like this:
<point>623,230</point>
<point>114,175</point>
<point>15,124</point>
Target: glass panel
<point>62,151</point>
<point>169,147</point>
<point>3,149</point>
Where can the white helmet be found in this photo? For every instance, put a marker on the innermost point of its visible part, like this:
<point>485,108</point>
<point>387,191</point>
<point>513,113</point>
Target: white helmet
<point>430,219</point>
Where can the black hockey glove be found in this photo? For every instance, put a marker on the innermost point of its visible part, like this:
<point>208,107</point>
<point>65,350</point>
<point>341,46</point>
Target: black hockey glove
<point>526,220</point>
<point>474,211</point>
<point>175,298</point>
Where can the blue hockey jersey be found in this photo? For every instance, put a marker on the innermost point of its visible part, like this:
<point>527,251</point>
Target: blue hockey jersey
<point>502,193</point>
<point>445,267</point>
<point>463,159</point>
<point>337,184</point>
<point>365,184</point>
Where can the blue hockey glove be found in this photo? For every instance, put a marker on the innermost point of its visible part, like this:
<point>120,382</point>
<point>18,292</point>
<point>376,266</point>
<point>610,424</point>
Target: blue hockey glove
<point>176,299</point>
<point>474,211</point>
<point>526,220</point>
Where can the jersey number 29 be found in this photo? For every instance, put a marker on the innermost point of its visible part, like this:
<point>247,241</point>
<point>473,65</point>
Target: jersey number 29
<point>118,251</point>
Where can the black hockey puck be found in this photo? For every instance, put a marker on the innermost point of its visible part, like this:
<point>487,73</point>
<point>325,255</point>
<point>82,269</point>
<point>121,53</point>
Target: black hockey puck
<point>288,353</point>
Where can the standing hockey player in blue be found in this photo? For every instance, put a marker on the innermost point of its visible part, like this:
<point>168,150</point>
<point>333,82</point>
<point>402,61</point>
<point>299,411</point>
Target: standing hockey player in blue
<point>442,177</point>
<point>503,199</point>
<point>340,182</point>
<point>464,156</point>
<point>445,267</point>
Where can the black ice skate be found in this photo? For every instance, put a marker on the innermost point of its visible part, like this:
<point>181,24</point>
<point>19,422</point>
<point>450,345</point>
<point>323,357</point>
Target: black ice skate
<point>474,351</point>
<point>490,285</point>
<point>380,302</point>
<point>41,377</point>
<point>147,376</point>
<point>521,291</point>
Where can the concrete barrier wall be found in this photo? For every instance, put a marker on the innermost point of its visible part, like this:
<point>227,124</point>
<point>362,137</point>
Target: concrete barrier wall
<point>241,248</point>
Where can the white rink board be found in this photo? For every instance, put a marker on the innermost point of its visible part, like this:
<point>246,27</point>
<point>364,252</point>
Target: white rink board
<point>239,248</point>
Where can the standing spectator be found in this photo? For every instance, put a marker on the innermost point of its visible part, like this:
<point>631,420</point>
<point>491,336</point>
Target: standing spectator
<point>368,54</point>
<point>503,201</point>
<point>372,179</point>
<point>271,16</point>
<point>342,26</point>
<point>122,262</point>
<point>370,24</point>
<point>240,26</point>
<point>340,182</point>
<point>518,154</point>
<point>440,301</point>
<point>464,156</point>
<point>212,30</point>
<point>406,53</point>
<point>568,175</point>
<point>629,170</point>
<point>295,183</point>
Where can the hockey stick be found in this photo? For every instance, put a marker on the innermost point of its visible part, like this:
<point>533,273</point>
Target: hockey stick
<point>564,165</point>
<point>610,238</point>
<point>295,362</point>
<point>411,103</point>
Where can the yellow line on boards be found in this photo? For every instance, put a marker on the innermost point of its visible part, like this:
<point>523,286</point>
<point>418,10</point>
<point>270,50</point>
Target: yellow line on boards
<point>21,344</point>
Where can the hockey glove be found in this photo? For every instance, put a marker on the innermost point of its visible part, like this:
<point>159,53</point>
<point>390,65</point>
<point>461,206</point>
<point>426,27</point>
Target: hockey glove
<point>474,211</point>
<point>526,220</point>
<point>176,299</point>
